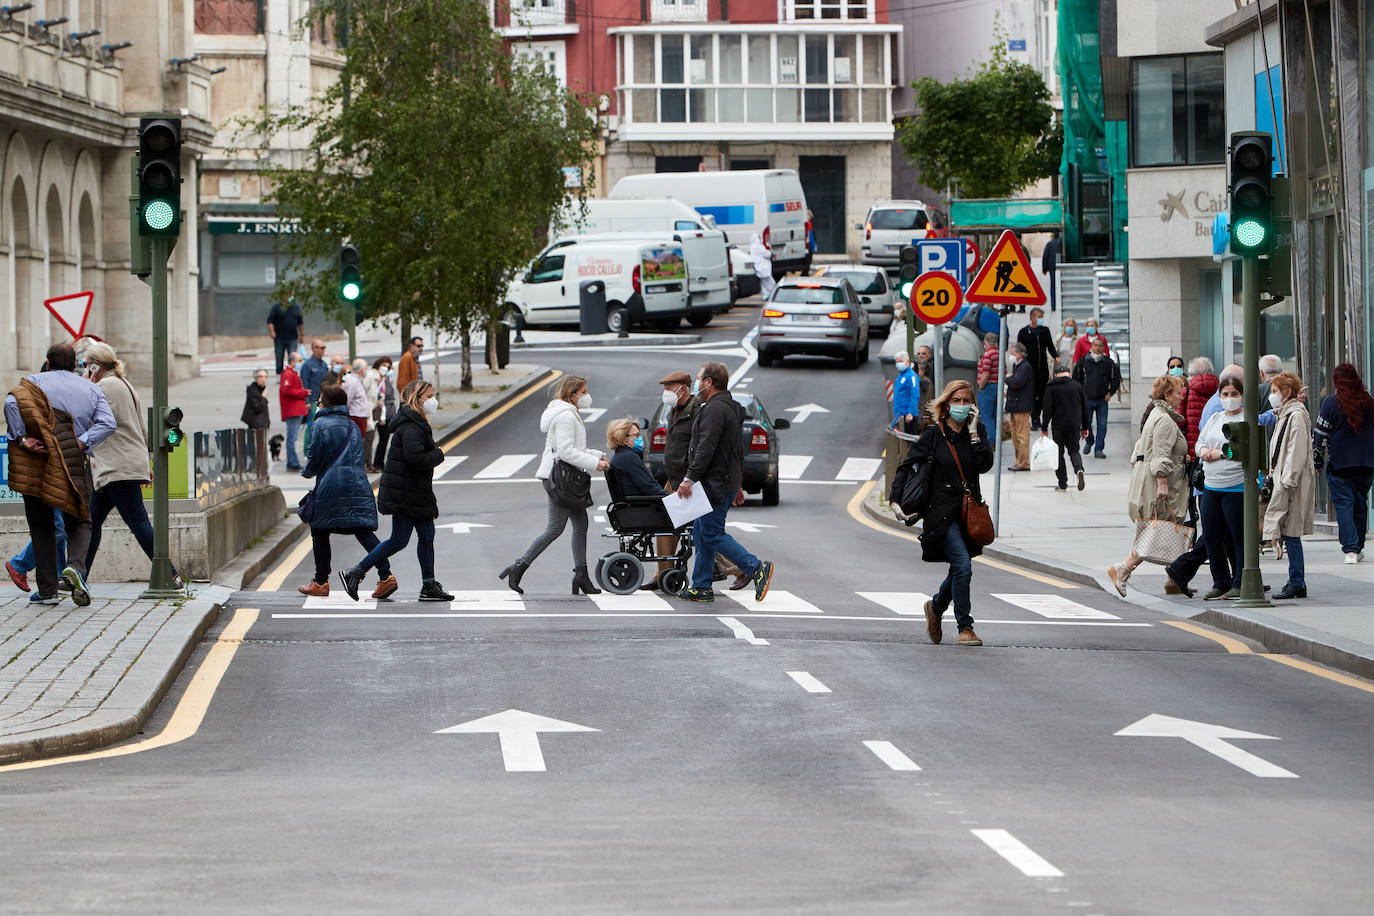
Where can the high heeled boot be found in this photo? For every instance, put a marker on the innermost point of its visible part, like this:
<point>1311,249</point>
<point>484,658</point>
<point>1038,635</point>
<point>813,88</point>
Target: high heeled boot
<point>512,574</point>
<point>582,582</point>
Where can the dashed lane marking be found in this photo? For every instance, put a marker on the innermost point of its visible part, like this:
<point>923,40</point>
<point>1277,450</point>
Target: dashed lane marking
<point>1027,860</point>
<point>808,682</point>
<point>888,753</point>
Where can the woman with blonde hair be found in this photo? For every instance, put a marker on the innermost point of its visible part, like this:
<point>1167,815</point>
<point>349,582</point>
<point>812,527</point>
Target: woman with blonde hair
<point>1292,479</point>
<point>565,439</point>
<point>1158,467</point>
<point>957,448</point>
<point>626,442</point>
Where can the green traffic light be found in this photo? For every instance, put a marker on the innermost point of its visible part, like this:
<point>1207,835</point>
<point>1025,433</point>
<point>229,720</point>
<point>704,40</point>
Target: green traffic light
<point>351,291</point>
<point>1249,233</point>
<point>158,215</point>
<point>174,437</point>
<point>907,288</point>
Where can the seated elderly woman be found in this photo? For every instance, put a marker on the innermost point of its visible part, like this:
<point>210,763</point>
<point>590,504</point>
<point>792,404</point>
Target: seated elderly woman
<point>627,458</point>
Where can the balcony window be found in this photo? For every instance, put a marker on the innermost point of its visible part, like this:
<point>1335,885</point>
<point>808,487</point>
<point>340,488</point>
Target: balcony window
<point>1178,110</point>
<point>537,12</point>
<point>804,10</point>
<point>678,10</point>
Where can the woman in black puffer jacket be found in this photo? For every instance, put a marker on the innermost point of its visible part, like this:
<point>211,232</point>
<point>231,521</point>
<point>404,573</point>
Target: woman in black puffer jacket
<point>407,491</point>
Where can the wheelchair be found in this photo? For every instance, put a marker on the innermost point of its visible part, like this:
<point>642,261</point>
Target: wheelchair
<point>636,521</point>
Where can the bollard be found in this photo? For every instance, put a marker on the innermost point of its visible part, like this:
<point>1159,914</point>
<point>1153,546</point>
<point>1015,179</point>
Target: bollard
<point>592,299</point>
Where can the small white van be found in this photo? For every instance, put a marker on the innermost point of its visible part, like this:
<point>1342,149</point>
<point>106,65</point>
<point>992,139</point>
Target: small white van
<point>646,280</point>
<point>650,214</point>
<point>767,201</point>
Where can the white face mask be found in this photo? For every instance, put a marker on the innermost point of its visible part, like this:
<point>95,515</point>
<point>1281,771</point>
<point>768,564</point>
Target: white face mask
<point>1275,399</point>
<point>1230,405</point>
<point>669,398</point>
<point>431,406</point>
<point>584,402</point>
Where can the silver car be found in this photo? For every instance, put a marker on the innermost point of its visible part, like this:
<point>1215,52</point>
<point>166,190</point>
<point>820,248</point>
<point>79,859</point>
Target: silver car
<point>876,291</point>
<point>819,315</point>
<point>891,225</point>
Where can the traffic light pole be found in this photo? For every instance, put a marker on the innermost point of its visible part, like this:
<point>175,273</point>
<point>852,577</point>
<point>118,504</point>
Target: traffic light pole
<point>160,579</point>
<point>1251,583</point>
<point>994,423</point>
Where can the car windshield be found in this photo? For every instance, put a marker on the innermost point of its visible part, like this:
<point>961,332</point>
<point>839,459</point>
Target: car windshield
<point>898,219</point>
<point>863,281</point>
<point>814,295</point>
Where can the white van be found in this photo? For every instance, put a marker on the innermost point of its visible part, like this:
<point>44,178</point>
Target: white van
<point>646,279</point>
<point>603,214</point>
<point>767,201</point>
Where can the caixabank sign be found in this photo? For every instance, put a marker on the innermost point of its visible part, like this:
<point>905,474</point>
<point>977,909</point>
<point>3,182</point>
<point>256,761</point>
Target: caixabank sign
<point>1172,210</point>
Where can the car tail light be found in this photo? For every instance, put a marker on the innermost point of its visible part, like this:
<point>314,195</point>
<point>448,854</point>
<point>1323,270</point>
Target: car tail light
<point>659,442</point>
<point>772,313</point>
<point>767,236</point>
<point>634,278</point>
<point>758,442</point>
<point>868,231</point>
<point>843,314</point>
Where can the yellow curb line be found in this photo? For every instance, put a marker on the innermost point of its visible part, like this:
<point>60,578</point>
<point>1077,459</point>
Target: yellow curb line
<point>1236,647</point>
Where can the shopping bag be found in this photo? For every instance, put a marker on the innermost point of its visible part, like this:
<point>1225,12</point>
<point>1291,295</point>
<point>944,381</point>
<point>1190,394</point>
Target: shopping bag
<point>1160,539</point>
<point>1042,454</point>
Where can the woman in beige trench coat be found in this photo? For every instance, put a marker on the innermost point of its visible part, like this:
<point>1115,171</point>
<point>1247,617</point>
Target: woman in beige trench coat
<point>1158,468</point>
<point>1294,479</point>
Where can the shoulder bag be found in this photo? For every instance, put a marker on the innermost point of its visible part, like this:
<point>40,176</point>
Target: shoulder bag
<point>911,485</point>
<point>1161,539</point>
<point>569,486</point>
<point>977,519</point>
<point>1266,493</point>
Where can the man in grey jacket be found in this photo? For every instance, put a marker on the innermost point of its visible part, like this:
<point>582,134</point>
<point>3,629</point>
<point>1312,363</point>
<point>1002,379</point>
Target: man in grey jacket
<point>715,460</point>
<point>1020,404</point>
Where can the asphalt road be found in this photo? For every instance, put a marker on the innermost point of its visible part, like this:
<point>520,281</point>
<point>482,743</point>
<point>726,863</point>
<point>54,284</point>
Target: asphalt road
<point>811,754</point>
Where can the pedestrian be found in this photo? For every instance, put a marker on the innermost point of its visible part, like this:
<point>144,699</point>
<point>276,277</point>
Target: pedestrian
<point>53,420</point>
<point>343,502</point>
<point>1291,484</point>
<point>1343,443</point>
<point>1202,385</point>
<point>359,407</point>
<point>385,409</point>
<point>565,439</point>
<point>1040,353</point>
<point>406,492</point>
<point>1066,421</point>
<point>1158,469</point>
<point>292,395</point>
<point>1174,366</point>
<point>1223,495</point>
<point>22,563</point>
<point>255,412</point>
<point>715,460</point>
<point>1020,386</point>
<point>957,449</point>
<point>987,377</point>
<point>1085,340</point>
<point>1068,339</point>
<point>372,388</point>
<point>626,441</point>
<point>313,371</point>
<point>408,370</point>
<point>119,464</point>
<point>1270,365</point>
<point>1049,262</point>
<point>762,258</point>
<point>285,326</point>
<point>682,407</point>
<point>906,394</point>
<point>1100,377</point>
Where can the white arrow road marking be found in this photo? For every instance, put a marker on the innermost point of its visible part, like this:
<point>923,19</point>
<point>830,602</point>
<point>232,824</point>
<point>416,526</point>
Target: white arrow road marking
<point>748,527</point>
<point>592,414</point>
<point>448,464</point>
<point>791,467</point>
<point>806,681</point>
<point>486,600</point>
<point>858,468</point>
<point>778,602</point>
<point>1212,739</point>
<point>908,604</point>
<point>1056,607</point>
<point>505,466</point>
<point>1017,853</point>
<point>887,752</point>
<point>519,734</point>
<point>805,410</point>
<point>742,632</point>
<point>462,527</point>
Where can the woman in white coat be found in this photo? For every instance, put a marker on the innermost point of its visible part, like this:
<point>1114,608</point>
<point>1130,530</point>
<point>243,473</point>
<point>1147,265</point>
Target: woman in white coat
<point>565,439</point>
<point>1293,479</point>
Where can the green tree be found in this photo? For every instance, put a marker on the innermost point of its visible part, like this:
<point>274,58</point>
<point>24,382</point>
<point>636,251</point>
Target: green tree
<point>992,133</point>
<point>438,153</point>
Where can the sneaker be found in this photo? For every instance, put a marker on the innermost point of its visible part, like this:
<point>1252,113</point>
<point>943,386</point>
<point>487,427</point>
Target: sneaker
<point>1214,594</point>
<point>1082,481</point>
<point>933,628</point>
<point>80,595</point>
<point>1351,559</point>
<point>385,588</point>
<point>697,594</point>
<point>351,579</point>
<point>1232,595</point>
<point>36,598</point>
<point>314,589</point>
<point>1360,556</point>
<point>762,577</point>
<point>433,591</point>
<point>1087,446</point>
<point>20,580</point>
<point>969,638</point>
<point>1098,455</point>
<point>1061,488</point>
<point>179,582</point>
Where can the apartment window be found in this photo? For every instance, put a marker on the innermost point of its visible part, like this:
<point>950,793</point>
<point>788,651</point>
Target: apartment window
<point>828,9</point>
<point>1178,112</point>
<point>229,17</point>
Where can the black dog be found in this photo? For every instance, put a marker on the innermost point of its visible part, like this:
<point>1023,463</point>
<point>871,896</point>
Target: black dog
<point>275,444</point>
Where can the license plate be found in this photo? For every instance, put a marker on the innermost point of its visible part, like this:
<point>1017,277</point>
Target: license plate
<point>806,317</point>
<point>896,247</point>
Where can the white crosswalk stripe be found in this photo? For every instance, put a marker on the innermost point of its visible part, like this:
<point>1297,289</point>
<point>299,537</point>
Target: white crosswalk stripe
<point>792,467</point>
<point>449,463</point>
<point>486,600</point>
<point>858,468</point>
<point>908,604</point>
<point>1056,607</point>
<point>338,601</point>
<point>637,601</point>
<point>505,466</point>
<point>777,602</point>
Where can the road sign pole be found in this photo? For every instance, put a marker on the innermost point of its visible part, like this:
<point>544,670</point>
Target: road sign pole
<point>939,351</point>
<point>1251,583</point>
<point>996,430</point>
<point>160,579</point>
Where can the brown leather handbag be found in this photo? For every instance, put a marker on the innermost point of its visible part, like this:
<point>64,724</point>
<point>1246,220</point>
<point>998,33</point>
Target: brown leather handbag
<point>977,518</point>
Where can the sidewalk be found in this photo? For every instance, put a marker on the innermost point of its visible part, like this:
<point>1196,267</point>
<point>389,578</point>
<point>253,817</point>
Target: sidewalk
<point>1078,535</point>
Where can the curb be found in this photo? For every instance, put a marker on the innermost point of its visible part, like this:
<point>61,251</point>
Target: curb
<point>650,340</point>
<point>247,566</point>
<point>138,693</point>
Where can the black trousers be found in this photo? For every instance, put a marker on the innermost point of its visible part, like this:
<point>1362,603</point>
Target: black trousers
<point>1186,566</point>
<point>383,437</point>
<point>1066,439</point>
<point>1040,382</point>
<point>43,531</point>
<point>319,540</point>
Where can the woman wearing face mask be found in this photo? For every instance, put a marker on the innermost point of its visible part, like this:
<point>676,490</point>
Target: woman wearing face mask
<point>1085,341</point>
<point>565,439</point>
<point>1223,501</point>
<point>406,492</point>
<point>626,442</point>
<point>386,407</point>
<point>1068,338</point>
<point>1175,366</point>
<point>1292,479</point>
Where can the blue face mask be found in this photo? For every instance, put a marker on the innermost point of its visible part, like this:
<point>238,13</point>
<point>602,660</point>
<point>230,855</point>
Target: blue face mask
<point>696,387</point>
<point>959,412</point>
<point>1177,370</point>
<point>637,443</point>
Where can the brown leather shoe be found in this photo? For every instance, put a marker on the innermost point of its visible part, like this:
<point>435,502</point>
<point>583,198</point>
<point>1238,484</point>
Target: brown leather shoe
<point>933,628</point>
<point>386,588</point>
<point>969,638</point>
<point>314,589</point>
<point>741,581</point>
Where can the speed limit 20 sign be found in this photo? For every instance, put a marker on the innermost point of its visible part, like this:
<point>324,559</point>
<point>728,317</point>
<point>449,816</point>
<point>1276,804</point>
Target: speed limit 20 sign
<point>936,297</point>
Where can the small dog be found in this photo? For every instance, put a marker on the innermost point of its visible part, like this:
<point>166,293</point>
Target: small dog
<point>274,444</point>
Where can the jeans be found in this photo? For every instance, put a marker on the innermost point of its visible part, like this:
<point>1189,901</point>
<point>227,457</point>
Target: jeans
<point>319,540</point>
<point>1097,426</point>
<point>709,538</point>
<point>559,516</point>
<point>1350,495</point>
<point>1297,576</point>
<point>309,421</point>
<point>283,346</point>
<point>293,425</point>
<point>987,408</point>
<point>43,531</point>
<point>127,497</point>
<point>23,561</point>
<point>956,585</point>
<point>1224,513</point>
<point>1066,440</point>
<point>401,527</point>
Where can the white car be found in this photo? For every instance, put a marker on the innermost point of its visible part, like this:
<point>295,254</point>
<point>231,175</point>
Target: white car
<point>891,225</point>
<point>875,290</point>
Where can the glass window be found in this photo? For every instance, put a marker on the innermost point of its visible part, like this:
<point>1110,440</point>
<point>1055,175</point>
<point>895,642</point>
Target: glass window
<point>844,61</point>
<point>731,102</point>
<point>1207,102</point>
<point>645,102</point>
<point>761,58</point>
<point>644,60</point>
<point>760,106</point>
<point>788,105</point>
<point>873,59</point>
<point>672,106</point>
<point>818,58</point>
<point>1177,110</point>
<point>817,105</point>
<point>804,295</point>
<point>703,105</point>
<point>547,269</point>
<point>875,105</point>
<point>699,68</point>
<point>866,281</point>
<point>898,219</point>
<point>731,59</point>
<point>247,270</point>
<point>787,59</point>
<point>846,106</point>
<point>672,59</point>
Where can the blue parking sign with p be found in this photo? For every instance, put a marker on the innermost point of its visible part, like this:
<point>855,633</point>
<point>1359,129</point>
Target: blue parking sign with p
<point>946,255</point>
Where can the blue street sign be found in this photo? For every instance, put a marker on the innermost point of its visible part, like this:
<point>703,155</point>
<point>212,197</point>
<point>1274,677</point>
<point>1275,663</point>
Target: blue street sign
<point>945,255</point>
<point>1016,44</point>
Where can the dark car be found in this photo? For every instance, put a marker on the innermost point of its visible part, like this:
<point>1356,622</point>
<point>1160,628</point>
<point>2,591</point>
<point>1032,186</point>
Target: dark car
<point>760,436</point>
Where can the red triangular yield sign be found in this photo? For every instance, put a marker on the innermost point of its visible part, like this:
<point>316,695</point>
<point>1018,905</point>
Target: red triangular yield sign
<point>71,311</point>
<point>1006,276</point>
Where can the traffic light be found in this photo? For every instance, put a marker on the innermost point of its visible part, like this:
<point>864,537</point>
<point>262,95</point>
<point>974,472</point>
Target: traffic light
<point>159,177</point>
<point>1237,434</point>
<point>1252,195</point>
<point>350,273</point>
<point>171,435</point>
<point>907,271</point>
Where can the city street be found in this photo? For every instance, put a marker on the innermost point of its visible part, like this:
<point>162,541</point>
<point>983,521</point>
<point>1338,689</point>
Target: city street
<point>813,753</point>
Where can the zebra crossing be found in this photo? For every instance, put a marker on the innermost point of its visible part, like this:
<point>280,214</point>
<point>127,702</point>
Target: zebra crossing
<point>852,469</point>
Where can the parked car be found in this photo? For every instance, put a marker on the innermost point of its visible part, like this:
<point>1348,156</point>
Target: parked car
<point>646,283</point>
<point>819,315</point>
<point>760,439</point>
<point>893,224</point>
<point>876,292</point>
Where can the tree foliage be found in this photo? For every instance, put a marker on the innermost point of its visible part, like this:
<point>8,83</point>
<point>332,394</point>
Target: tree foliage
<point>438,153</point>
<point>992,133</point>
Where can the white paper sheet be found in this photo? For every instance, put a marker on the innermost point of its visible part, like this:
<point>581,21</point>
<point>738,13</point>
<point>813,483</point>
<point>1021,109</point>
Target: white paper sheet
<point>682,511</point>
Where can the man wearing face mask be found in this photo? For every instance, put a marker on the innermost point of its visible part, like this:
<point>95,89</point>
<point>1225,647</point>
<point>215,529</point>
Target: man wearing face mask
<point>1040,353</point>
<point>906,395</point>
<point>1100,377</point>
<point>1083,346</point>
<point>682,407</point>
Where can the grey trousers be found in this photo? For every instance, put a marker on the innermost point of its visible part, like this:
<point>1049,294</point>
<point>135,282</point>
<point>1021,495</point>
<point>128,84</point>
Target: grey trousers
<point>559,516</point>
<point>43,531</point>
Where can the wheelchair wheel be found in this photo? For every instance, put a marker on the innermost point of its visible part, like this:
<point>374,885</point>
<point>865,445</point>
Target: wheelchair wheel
<point>620,573</point>
<point>672,581</point>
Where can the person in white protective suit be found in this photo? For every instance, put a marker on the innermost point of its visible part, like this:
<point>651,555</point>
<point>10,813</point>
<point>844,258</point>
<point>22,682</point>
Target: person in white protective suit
<point>763,266</point>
